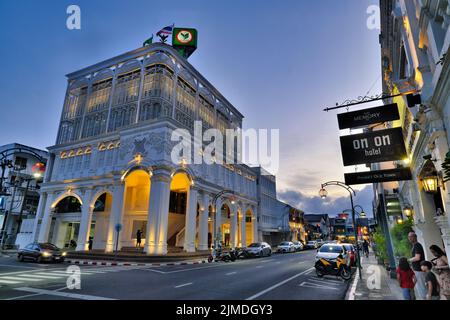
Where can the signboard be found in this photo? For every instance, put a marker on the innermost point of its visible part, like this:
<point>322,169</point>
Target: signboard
<point>365,117</point>
<point>375,146</point>
<point>184,40</point>
<point>378,176</point>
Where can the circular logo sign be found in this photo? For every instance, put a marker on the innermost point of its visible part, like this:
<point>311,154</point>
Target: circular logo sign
<point>184,36</point>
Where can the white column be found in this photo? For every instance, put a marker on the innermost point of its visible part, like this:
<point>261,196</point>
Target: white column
<point>243,234</point>
<point>115,217</point>
<point>218,221</point>
<point>203,222</point>
<point>46,220</point>
<point>85,222</point>
<point>255,226</point>
<point>158,214</point>
<point>233,226</point>
<point>191,217</point>
<point>39,213</point>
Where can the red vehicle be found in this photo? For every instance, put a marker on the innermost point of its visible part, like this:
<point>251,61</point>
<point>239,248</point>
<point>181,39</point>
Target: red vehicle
<point>351,253</point>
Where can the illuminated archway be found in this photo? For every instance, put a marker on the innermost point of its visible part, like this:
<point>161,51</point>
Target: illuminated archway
<point>179,188</point>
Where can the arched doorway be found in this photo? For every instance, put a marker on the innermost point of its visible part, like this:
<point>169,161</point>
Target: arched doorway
<point>65,224</point>
<point>179,188</point>
<point>225,227</point>
<point>135,208</point>
<point>249,225</point>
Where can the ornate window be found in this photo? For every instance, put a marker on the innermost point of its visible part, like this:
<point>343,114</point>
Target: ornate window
<point>99,96</point>
<point>75,101</point>
<point>127,87</point>
<point>122,117</point>
<point>158,82</point>
<point>206,113</point>
<point>94,124</point>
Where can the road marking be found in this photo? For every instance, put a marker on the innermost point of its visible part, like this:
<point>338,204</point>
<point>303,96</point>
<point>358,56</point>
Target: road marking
<point>40,276</point>
<point>330,282</point>
<point>8,281</point>
<point>184,285</point>
<point>16,266</point>
<point>19,278</point>
<point>278,262</point>
<point>277,285</point>
<point>258,267</point>
<point>316,286</point>
<point>230,273</point>
<point>157,271</point>
<point>62,294</point>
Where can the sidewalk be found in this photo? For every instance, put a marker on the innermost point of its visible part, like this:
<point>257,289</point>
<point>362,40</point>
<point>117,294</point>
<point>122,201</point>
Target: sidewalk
<point>375,283</point>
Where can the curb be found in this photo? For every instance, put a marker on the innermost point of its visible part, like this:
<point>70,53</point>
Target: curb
<point>351,293</point>
<point>133,264</point>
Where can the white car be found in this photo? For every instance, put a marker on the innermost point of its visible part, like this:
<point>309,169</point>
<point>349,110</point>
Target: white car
<point>286,246</point>
<point>319,242</point>
<point>311,245</point>
<point>331,252</point>
<point>298,245</point>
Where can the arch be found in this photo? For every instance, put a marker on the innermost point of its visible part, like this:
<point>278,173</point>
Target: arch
<point>97,194</point>
<point>128,66</point>
<point>189,173</point>
<point>102,75</point>
<point>145,166</point>
<point>64,195</point>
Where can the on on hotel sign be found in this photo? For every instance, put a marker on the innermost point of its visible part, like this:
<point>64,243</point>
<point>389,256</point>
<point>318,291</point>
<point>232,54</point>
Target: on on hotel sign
<point>371,147</point>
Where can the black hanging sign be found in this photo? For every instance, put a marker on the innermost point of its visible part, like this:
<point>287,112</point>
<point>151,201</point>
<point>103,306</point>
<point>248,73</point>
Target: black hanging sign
<point>361,118</point>
<point>378,176</point>
<point>374,146</point>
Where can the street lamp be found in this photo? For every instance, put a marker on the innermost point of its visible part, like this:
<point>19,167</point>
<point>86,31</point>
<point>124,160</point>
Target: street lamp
<point>407,210</point>
<point>430,184</point>
<point>323,194</point>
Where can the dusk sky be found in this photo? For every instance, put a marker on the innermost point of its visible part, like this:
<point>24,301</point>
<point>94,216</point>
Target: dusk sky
<point>278,62</point>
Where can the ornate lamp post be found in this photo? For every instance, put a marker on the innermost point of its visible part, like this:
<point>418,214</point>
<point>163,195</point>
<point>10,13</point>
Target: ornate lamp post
<point>323,194</point>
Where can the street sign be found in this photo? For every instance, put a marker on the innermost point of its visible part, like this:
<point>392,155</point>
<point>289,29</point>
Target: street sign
<point>361,118</point>
<point>374,146</point>
<point>118,227</point>
<point>399,174</point>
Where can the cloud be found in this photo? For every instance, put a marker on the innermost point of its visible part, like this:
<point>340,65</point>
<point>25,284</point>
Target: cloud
<point>329,205</point>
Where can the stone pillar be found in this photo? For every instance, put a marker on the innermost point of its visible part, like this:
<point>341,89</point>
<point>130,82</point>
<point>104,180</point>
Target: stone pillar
<point>217,222</point>
<point>39,213</point>
<point>233,226</point>
<point>158,213</point>
<point>115,217</point>
<point>203,223</point>
<point>243,231</point>
<point>46,220</point>
<point>85,222</point>
<point>191,217</point>
<point>255,226</point>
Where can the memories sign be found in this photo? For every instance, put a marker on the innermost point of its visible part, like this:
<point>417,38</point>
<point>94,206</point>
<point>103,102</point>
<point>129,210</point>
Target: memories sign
<point>378,176</point>
<point>366,117</point>
<point>374,146</point>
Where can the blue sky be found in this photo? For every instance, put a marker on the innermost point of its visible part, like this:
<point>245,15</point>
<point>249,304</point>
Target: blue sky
<point>278,62</point>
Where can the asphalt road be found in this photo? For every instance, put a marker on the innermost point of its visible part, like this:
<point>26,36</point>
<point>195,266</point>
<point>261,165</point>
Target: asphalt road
<point>281,276</point>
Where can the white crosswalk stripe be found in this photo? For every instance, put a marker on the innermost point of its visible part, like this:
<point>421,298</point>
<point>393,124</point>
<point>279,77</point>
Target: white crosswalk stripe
<point>321,283</point>
<point>58,274</point>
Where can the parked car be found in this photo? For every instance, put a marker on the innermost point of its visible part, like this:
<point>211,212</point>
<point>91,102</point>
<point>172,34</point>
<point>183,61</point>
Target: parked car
<point>298,245</point>
<point>286,246</point>
<point>351,253</point>
<point>331,252</point>
<point>319,242</point>
<point>41,252</point>
<point>311,245</point>
<point>258,249</point>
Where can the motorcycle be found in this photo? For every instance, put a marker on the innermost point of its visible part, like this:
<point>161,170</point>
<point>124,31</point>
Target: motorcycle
<point>338,268</point>
<point>219,255</point>
<point>240,253</point>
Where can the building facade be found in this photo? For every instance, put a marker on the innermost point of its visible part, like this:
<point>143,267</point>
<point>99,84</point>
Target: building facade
<point>19,190</point>
<point>415,38</point>
<point>111,173</point>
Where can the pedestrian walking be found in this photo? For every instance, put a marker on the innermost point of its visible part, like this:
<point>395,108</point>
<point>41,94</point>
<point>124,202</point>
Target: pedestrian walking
<point>406,279</point>
<point>366,248</point>
<point>442,269</point>
<point>431,281</point>
<point>138,238</point>
<point>418,255</point>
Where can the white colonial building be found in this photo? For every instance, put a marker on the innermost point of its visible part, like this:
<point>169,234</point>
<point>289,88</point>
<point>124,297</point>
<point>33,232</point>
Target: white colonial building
<point>415,39</point>
<point>111,163</point>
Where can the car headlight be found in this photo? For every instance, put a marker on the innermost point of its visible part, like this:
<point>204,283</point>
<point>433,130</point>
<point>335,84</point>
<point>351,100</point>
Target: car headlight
<point>46,254</point>
<point>64,254</point>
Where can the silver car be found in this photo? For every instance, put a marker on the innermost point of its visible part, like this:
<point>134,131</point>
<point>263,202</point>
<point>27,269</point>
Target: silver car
<point>258,249</point>
<point>298,245</point>
<point>331,252</point>
<point>286,246</point>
